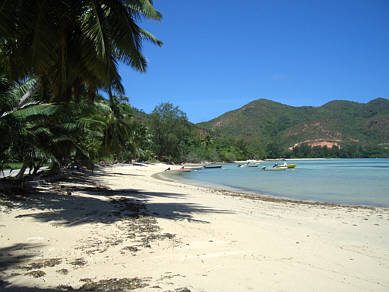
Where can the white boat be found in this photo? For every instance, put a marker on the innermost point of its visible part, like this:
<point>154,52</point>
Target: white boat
<point>249,164</point>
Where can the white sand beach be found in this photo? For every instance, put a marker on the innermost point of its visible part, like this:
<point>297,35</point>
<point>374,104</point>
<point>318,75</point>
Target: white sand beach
<point>126,228</point>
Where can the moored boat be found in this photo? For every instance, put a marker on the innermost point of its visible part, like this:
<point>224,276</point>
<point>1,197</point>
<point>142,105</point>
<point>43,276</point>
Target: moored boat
<point>249,164</point>
<point>284,165</point>
<point>212,166</point>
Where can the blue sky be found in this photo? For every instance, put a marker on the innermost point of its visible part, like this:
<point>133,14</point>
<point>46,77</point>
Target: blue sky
<point>220,55</point>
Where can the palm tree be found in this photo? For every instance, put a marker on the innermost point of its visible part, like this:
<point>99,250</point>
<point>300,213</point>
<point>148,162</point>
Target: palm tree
<point>57,52</point>
<point>71,44</point>
<point>22,129</point>
<point>110,124</point>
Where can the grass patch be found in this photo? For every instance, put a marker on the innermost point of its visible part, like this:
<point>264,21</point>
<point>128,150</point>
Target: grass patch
<point>15,165</point>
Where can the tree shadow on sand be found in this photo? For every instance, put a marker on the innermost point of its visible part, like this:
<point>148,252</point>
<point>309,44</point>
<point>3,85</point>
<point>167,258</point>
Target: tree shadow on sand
<point>80,200</point>
<point>102,205</point>
<point>16,255</point>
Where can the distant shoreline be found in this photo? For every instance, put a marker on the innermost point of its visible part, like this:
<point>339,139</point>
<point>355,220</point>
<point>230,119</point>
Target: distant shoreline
<point>241,193</point>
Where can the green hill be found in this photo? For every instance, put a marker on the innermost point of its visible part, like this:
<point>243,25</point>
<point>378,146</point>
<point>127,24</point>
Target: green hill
<point>336,122</point>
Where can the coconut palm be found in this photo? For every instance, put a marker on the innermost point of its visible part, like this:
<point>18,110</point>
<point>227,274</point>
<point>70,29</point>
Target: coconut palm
<point>109,124</point>
<point>74,44</point>
<point>22,127</point>
<point>62,52</point>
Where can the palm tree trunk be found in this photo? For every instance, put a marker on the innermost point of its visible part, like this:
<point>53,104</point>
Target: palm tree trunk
<point>37,167</point>
<point>19,176</point>
<point>92,94</point>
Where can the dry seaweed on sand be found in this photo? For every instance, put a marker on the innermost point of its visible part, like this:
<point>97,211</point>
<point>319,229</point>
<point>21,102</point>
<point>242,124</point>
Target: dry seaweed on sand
<point>43,264</point>
<point>63,271</point>
<point>78,262</point>
<point>65,287</point>
<point>114,284</point>
<point>36,274</point>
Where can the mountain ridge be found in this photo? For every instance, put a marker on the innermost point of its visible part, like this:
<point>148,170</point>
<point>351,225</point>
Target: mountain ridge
<point>338,121</point>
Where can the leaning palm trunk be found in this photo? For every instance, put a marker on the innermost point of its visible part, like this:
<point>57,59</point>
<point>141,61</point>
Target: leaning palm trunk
<point>20,175</point>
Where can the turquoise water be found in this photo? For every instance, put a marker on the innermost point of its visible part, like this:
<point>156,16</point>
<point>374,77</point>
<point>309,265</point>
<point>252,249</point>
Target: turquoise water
<point>340,181</point>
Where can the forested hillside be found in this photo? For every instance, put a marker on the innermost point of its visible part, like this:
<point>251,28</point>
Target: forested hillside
<point>338,123</point>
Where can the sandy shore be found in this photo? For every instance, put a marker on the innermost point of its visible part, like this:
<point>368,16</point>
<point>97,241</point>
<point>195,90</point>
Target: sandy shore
<point>122,228</point>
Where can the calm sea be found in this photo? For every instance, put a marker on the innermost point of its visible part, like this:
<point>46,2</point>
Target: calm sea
<point>341,181</point>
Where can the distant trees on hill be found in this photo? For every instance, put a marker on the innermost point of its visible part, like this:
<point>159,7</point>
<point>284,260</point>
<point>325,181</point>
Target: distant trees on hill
<point>348,150</point>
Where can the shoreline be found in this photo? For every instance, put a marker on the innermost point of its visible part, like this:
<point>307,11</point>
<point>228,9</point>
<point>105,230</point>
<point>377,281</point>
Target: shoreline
<point>264,197</point>
<point>180,236</point>
<point>252,195</point>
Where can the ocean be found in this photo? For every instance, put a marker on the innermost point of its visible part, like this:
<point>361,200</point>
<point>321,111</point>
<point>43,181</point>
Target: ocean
<point>362,182</point>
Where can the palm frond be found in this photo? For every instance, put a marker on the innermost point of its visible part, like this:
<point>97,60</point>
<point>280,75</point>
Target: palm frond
<point>145,8</point>
<point>35,110</point>
<point>151,37</point>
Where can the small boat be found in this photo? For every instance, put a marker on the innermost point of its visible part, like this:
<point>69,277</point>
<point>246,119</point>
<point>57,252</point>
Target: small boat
<point>212,166</point>
<point>274,168</point>
<point>284,165</point>
<point>249,164</point>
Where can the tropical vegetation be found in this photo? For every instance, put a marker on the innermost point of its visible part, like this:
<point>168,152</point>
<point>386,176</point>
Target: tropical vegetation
<point>62,102</point>
<point>278,130</point>
<point>56,57</point>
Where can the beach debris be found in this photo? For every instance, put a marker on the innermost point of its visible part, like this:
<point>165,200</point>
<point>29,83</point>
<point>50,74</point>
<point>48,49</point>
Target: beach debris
<point>65,287</point>
<point>63,271</point>
<point>78,262</point>
<point>169,275</point>
<point>135,227</point>
<point>183,289</point>
<point>44,263</point>
<point>14,274</point>
<point>128,208</point>
<point>114,284</point>
<point>130,248</point>
<point>36,274</point>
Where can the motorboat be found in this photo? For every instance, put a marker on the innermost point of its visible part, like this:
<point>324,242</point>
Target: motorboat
<point>249,164</point>
<point>284,165</point>
<point>213,166</point>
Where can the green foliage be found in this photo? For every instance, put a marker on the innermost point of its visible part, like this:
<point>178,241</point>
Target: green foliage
<point>278,126</point>
<point>171,132</point>
<point>70,46</point>
<point>348,150</point>
<point>54,57</point>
